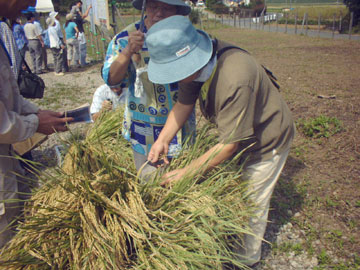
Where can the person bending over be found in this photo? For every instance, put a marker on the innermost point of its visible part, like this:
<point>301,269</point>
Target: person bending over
<point>235,93</point>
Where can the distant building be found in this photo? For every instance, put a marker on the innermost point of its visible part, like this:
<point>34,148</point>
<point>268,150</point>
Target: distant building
<point>235,3</point>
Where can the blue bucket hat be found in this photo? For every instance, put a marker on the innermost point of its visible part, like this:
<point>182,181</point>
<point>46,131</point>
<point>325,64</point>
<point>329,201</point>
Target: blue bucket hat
<point>177,50</point>
<point>182,7</point>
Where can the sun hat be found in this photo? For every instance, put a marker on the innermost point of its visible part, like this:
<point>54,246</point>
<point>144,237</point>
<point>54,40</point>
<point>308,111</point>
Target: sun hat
<point>53,14</point>
<point>177,50</point>
<point>50,21</point>
<point>69,16</point>
<point>182,7</point>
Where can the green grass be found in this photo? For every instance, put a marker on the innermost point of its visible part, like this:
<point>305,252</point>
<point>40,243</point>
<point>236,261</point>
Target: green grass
<point>60,96</point>
<point>287,247</point>
<point>321,126</point>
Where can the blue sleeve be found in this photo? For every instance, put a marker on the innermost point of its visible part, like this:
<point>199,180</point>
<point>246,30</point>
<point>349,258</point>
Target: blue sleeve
<point>117,44</point>
<point>16,31</point>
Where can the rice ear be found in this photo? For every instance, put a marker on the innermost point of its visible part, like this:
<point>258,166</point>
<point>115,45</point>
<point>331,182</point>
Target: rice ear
<point>94,213</point>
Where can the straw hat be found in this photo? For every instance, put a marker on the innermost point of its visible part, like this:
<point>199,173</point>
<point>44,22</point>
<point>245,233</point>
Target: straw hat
<point>53,14</point>
<point>50,21</point>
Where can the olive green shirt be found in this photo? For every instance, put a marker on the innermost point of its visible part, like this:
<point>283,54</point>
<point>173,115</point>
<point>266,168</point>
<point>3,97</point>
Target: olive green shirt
<point>245,106</point>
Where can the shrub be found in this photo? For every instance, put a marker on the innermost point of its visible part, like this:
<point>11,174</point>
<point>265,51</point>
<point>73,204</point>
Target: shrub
<point>321,126</point>
<point>194,16</point>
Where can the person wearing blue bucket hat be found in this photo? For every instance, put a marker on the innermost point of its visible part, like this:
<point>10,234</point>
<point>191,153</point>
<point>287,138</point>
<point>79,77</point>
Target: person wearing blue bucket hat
<point>239,96</point>
<point>147,105</point>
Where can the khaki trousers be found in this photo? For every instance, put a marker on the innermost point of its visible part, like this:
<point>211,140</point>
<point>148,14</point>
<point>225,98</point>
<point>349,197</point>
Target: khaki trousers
<point>262,178</point>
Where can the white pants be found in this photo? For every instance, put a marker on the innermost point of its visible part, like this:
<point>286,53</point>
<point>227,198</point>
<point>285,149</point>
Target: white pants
<point>73,50</point>
<point>262,178</point>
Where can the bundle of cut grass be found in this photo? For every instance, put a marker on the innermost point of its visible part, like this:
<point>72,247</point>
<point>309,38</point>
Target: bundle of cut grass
<point>95,214</point>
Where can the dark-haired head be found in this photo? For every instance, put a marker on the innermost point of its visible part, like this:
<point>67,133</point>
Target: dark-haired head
<point>29,16</point>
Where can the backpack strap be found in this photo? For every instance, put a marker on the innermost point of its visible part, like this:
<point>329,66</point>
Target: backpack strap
<point>271,76</point>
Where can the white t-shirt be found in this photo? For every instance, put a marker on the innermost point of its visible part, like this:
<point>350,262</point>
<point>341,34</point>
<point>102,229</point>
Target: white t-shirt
<point>55,41</point>
<point>31,31</point>
<point>105,93</point>
<point>38,25</point>
<point>58,29</point>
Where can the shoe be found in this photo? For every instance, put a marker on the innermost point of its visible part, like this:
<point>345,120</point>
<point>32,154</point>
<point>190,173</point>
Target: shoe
<point>59,74</point>
<point>39,72</point>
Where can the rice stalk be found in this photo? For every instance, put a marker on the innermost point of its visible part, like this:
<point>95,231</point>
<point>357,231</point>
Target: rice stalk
<point>94,213</point>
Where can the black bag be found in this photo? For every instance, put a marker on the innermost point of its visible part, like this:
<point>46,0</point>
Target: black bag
<point>30,84</point>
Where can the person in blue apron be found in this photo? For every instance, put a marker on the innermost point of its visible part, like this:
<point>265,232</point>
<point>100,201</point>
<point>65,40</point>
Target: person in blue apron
<point>147,104</point>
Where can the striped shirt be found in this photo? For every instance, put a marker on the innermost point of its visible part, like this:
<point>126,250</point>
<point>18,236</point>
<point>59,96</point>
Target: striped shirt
<point>11,47</point>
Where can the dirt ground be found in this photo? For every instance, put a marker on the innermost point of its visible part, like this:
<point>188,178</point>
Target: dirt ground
<point>319,190</point>
<point>322,177</point>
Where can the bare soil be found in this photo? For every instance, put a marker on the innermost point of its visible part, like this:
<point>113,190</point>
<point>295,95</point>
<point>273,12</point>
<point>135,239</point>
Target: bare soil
<point>321,181</point>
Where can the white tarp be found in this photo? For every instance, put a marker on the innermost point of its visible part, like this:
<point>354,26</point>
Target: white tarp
<point>42,6</point>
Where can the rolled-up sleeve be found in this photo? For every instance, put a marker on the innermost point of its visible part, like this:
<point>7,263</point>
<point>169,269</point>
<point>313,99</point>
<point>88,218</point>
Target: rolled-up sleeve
<point>236,114</point>
<point>15,127</point>
<point>116,45</point>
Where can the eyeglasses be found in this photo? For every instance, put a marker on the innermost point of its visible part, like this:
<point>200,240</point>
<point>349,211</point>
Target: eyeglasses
<point>164,8</point>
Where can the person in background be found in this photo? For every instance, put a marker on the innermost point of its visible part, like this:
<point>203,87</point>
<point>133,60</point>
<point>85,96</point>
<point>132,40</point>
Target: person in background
<point>56,46</point>
<point>72,43</point>
<point>35,44</point>
<point>106,99</point>
<point>43,49</point>
<point>19,120</point>
<point>56,16</point>
<point>147,104</point>
<point>7,37</point>
<point>79,20</point>
<point>78,15</point>
<point>235,93</point>
<point>19,36</point>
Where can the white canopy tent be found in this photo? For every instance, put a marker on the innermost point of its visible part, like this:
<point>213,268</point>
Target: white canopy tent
<point>42,6</point>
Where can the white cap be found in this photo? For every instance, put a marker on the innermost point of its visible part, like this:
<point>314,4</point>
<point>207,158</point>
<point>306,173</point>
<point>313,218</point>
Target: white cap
<point>53,14</point>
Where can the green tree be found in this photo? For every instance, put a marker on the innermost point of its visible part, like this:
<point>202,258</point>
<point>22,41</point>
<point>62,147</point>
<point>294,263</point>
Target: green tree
<point>354,6</point>
<point>63,5</point>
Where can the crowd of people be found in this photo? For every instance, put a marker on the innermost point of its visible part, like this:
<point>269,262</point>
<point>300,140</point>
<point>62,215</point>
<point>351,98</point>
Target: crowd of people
<point>157,69</point>
<point>66,42</point>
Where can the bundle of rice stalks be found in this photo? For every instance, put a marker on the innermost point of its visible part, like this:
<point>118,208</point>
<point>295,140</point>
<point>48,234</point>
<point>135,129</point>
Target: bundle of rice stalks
<point>94,213</point>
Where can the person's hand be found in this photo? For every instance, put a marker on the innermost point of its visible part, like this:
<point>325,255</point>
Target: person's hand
<point>106,105</point>
<point>172,176</point>
<point>42,44</point>
<point>157,149</point>
<point>135,43</point>
<point>50,122</point>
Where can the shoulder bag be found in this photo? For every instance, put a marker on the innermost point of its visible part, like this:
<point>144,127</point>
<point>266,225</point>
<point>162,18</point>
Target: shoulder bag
<point>30,84</point>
